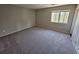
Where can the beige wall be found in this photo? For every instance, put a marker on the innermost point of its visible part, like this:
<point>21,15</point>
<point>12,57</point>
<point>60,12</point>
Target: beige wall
<point>13,19</point>
<point>75,35</point>
<point>43,18</point>
<point>74,21</point>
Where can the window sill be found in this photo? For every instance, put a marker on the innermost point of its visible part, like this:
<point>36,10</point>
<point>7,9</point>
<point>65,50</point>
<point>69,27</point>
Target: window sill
<point>58,23</point>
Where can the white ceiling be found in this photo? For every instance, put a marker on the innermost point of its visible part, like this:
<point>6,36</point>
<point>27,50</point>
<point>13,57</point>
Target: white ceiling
<point>37,6</point>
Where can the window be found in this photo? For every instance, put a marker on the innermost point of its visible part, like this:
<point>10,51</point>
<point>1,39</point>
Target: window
<point>60,16</point>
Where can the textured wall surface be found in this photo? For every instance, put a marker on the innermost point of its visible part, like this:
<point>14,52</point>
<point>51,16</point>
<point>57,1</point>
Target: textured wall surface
<point>13,19</point>
<point>75,35</point>
<point>44,16</point>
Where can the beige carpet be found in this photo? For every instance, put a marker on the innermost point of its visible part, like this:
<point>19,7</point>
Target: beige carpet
<point>36,41</point>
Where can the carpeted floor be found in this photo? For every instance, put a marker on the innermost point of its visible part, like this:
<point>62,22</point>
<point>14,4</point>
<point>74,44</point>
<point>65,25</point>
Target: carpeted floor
<point>36,41</point>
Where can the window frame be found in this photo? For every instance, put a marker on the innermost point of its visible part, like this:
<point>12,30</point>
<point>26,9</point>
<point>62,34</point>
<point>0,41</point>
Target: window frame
<point>59,11</point>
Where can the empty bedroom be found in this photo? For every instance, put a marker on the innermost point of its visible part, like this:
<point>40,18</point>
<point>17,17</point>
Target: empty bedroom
<point>39,29</point>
